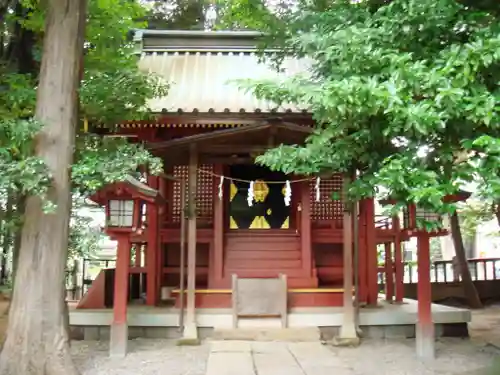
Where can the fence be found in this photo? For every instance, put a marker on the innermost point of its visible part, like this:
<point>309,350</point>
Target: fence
<point>442,271</point>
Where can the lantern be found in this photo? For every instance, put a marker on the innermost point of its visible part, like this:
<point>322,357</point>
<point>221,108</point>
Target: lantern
<point>122,213</point>
<point>125,203</point>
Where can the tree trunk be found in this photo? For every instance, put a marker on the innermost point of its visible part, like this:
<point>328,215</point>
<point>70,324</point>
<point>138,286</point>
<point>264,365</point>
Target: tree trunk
<point>497,212</point>
<point>467,283</point>
<point>37,342</point>
<point>20,208</point>
<point>7,237</point>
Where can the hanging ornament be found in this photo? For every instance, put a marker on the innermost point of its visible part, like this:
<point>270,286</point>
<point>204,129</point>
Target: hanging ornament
<point>288,193</point>
<point>318,193</point>
<point>250,194</point>
<point>221,185</point>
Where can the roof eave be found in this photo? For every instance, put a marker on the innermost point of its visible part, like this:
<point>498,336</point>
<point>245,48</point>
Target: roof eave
<point>141,33</point>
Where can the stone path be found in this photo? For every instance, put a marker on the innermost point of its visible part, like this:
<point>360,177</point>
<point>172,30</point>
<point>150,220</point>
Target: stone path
<point>273,358</point>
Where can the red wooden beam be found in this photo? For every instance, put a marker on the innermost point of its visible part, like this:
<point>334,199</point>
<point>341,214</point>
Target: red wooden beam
<point>398,262</point>
<point>362,256</point>
<point>152,252</point>
<point>119,328</point>
<point>425,325</point>
<point>371,249</point>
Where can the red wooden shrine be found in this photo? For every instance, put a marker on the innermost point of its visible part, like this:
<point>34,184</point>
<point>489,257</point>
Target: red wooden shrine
<point>198,234</point>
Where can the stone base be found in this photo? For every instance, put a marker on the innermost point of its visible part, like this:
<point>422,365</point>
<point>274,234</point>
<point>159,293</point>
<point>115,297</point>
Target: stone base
<point>118,340</point>
<point>295,334</point>
<point>186,341</point>
<point>425,342</point>
<point>346,342</point>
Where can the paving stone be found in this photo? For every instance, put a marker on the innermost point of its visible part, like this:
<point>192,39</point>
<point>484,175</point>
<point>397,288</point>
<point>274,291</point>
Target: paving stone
<point>226,363</point>
<point>269,347</point>
<point>230,346</point>
<point>277,363</point>
<point>317,359</point>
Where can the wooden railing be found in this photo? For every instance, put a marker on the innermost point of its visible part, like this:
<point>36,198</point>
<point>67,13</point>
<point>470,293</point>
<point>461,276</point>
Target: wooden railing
<point>443,271</point>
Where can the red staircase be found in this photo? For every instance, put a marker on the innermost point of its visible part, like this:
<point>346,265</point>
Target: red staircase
<point>266,254</point>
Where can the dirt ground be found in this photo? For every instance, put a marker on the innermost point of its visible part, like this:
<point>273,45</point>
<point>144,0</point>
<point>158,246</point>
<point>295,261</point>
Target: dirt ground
<point>485,326</point>
<point>4,305</point>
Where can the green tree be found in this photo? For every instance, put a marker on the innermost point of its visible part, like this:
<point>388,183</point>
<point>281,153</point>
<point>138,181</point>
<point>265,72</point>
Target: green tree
<point>37,154</point>
<point>37,341</point>
<point>400,92</point>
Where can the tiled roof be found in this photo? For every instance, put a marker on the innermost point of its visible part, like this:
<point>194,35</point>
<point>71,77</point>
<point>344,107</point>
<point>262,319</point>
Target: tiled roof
<point>201,77</point>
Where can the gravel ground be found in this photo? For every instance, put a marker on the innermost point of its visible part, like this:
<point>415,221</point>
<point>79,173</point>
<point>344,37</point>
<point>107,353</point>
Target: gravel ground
<point>145,357</point>
<point>397,357</point>
<point>390,357</point>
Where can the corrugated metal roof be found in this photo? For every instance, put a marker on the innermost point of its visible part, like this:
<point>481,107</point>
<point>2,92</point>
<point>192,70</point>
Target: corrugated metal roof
<point>201,81</point>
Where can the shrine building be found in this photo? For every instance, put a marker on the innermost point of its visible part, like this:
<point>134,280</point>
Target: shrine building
<point>218,242</point>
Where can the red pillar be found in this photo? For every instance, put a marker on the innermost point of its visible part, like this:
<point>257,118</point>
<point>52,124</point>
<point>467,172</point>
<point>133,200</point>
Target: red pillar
<point>218,250</point>
<point>153,263</point>
<point>371,249</point>
<point>425,326</point>
<point>119,328</point>
<point>398,262</point>
<point>305,228</point>
<point>389,273</point>
<point>362,258</point>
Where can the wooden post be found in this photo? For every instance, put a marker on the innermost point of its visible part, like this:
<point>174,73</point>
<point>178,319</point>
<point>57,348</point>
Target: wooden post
<point>425,325</point>
<point>347,334</point>
<point>218,250</point>
<point>190,330</point>
<point>152,284</point>
<point>119,328</point>
<point>389,273</point>
<point>362,258</point>
<point>371,253</point>
<point>398,262</point>
<point>305,229</point>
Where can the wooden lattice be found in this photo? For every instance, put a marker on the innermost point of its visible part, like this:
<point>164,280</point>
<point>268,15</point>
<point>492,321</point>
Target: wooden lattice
<point>204,192</point>
<point>327,208</point>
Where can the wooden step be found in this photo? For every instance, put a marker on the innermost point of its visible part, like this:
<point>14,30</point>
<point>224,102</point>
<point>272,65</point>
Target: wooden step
<point>264,273</point>
<point>263,254</point>
<point>236,264</point>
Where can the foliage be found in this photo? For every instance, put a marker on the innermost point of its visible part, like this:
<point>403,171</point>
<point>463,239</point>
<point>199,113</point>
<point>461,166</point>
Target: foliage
<point>84,238</point>
<point>473,214</point>
<point>105,160</point>
<point>400,91</point>
<point>176,14</point>
<point>112,89</point>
